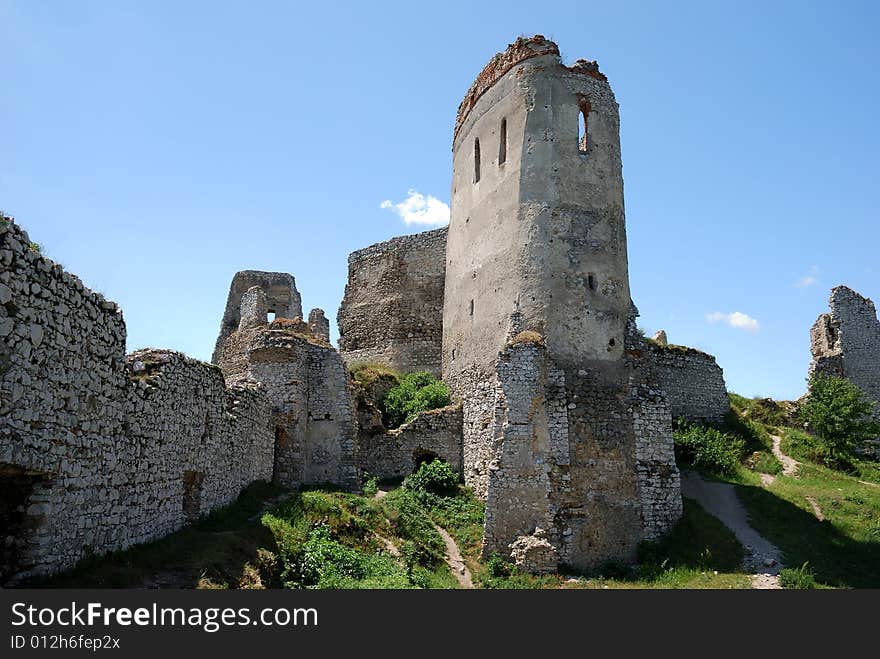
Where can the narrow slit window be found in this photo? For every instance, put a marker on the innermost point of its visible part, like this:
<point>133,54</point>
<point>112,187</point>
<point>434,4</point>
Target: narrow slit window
<point>502,143</point>
<point>584,109</point>
<point>476,160</point>
<point>591,281</point>
<point>472,308</point>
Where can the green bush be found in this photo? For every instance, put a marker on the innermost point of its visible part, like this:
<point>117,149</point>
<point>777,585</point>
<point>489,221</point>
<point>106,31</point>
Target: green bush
<point>707,449</point>
<point>371,486</point>
<point>766,463</point>
<point>839,413</point>
<point>801,577</point>
<point>499,566</point>
<point>416,392</point>
<point>435,477</point>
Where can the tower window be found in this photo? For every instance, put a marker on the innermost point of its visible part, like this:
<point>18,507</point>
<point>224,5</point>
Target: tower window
<point>502,143</point>
<point>476,160</point>
<point>584,109</point>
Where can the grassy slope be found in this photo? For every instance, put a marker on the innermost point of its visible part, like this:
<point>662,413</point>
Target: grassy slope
<point>844,549</point>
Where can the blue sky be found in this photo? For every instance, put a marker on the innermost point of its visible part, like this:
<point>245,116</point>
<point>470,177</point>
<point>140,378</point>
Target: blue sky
<point>155,148</point>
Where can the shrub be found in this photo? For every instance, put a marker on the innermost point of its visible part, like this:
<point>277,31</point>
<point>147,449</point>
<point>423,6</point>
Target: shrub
<point>708,449</point>
<point>764,462</point>
<point>839,413</point>
<point>435,477</point>
<point>416,392</point>
<point>801,577</point>
<point>371,486</point>
<point>499,566</point>
<point>426,547</point>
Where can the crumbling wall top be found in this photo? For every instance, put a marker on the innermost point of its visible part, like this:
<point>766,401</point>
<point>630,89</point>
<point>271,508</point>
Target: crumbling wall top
<point>522,49</point>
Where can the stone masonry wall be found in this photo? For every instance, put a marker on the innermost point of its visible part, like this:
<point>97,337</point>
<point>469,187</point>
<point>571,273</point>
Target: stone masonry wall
<point>393,305</point>
<point>846,341</point>
<point>92,460</point>
<point>282,299</point>
<point>398,453</point>
<point>192,444</point>
<point>692,382</point>
<point>313,412</point>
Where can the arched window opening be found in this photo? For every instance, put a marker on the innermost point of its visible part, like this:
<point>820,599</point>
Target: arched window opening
<point>502,143</point>
<point>476,160</point>
<point>584,109</point>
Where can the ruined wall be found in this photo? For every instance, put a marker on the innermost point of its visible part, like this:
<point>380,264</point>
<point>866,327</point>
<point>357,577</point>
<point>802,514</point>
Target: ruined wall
<point>398,453</point>
<point>392,309</point>
<point>846,341</point>
<point>692,382</point>
<point>282,299</point>
<point>313,416</point>
<point>193,444</point>
<point>92,455</point>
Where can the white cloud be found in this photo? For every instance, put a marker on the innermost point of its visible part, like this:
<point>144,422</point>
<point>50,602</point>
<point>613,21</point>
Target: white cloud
<point>736,319</point>
<point>809,279</point>
<point>420,209</point>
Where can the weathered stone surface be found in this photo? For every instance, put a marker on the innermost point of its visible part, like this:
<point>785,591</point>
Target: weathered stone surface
<point>399,452</point>
<point>95,447</point>
<point>282,299</point>
<point>846,341</point>
<point>692,382</point>
<point>565,426</point>
<point>311,393</point>
<point>393,304</point>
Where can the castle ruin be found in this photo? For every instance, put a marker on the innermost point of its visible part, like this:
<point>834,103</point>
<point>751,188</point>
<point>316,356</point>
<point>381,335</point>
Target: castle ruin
<point>846,341</point>
<point>562,417</point>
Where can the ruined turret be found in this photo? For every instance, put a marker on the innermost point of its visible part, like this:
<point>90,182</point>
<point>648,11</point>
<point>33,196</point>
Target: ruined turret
<point>563,431</point>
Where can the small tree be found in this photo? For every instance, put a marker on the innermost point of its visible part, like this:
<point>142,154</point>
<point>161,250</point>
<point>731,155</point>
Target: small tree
<point>839,413</point>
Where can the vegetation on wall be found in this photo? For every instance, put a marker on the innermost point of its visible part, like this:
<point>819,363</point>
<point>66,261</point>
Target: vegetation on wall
<point>414,393</point>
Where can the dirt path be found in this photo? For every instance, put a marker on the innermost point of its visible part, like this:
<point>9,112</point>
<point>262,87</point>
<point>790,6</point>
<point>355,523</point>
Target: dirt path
<point>789,464</point>
<point>454,560</point>
<point>453,556</point>
<point>720,500</point>
<point>817,511</point>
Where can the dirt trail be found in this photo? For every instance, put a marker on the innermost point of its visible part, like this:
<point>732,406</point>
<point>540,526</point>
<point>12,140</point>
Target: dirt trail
<point>720,500</point>
<point>453,556</point>
<point>454,560</point>
<point>789,464</point>
<point>817,511</point>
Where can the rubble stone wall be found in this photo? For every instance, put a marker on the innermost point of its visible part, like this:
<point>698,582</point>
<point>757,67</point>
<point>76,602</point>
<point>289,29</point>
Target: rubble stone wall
<point>392,312</point>
<point>692,381</point>
<point>93,456</point>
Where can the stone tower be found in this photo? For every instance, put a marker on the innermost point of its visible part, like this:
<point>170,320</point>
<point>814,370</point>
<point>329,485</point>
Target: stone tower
<point>565,433</point>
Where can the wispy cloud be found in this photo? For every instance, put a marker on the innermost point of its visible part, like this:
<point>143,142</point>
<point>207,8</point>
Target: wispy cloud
<point>736,319</point>
<point>419,209</point>
<point>809,279</point>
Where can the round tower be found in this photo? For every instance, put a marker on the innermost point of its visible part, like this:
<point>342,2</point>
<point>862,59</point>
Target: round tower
<point>537,223</point>
<point>565,434</point>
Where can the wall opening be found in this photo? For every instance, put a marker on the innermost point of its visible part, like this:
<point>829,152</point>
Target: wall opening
<point>584,109</point>
<point>270,316</point>
<point>591,281</point>
<point>502,143</point>
<point>16,488</point>
<point>422,456</point>
<point>471,308</point>
<point>192,494</point>
<point>477,160</point>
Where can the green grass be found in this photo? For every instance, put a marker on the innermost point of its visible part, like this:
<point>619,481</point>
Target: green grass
<point>843,550</point>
